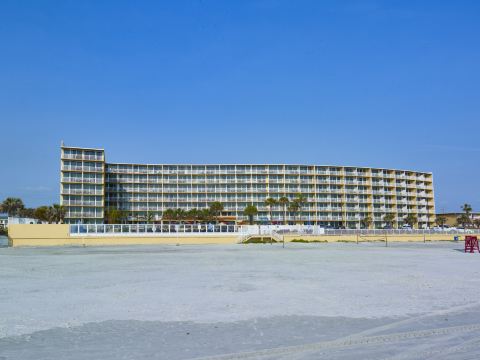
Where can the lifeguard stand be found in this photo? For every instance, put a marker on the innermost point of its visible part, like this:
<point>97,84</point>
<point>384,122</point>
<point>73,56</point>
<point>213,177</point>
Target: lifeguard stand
<point>471,244</point>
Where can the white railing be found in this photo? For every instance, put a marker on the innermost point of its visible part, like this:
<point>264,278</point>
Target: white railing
<point>82,168</point>
<point>84,215</point>
<point>82,203</point>
<point>82,180</point>
<point>238,230</point>
<point>396,231</point>
<point>82,157</point>
<point>81,192</point>
<point>150,229</point>
<point>188,229</point>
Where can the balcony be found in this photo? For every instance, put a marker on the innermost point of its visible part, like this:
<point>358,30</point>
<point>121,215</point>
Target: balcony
<point>81,192</point>
<point>353,218</point>
<point>329,218</point>
<point>84,214</point>
<point>82,168</point>
<point>82,180</point>
<point>82,203</point>
<point>82,157</point>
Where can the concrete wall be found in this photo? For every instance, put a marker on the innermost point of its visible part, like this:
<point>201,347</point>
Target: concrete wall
<point>370,238</point>
<point>452,217</point>
<point>37,234</point>
<point>58,235</point>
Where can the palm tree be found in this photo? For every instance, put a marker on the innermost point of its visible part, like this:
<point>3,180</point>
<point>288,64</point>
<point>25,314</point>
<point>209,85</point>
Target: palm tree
<point>463,220</point>
<point>250,211</point>
<point>180,215</point>
<point>300,200</point>
<point>193,215</point>
<point>467,209</point>
<point>169,215</point>
<point>366,222</point>
<point>476,222</point>
<point>27,213</point>
<point>205,215</point>
<point>216,209</point>
<point>50,214</point>
<point>59,213</point>
<point>284,202</point>
<point>389,219</point>
<point>149,217</point>
<point>110,215</point>
<point>293,208</point>
<point>115,216</point>
<point>12,206</point>
<point>40,213</point>
<point>270,202</point>
<point>53,214</point>
<point>441,220</point>
<point>411,220</point>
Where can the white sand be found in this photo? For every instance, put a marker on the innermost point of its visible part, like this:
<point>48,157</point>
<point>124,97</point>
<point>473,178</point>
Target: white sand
<point>174,288</point>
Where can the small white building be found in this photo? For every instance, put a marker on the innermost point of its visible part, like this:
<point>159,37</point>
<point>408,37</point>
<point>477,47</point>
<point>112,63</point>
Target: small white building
<point>5,220</point>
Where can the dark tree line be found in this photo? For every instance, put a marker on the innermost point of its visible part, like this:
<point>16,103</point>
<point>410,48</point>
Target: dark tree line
<point>15,207</point>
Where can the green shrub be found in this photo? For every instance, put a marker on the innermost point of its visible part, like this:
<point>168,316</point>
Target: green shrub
<point>308,242</point>
<point>257,240</point>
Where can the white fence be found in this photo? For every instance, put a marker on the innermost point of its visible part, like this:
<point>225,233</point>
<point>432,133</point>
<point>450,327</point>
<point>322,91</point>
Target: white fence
<point>188,229</point>
<point>399,231</point>
<point>152,229</point>
<point>283,229</point>
<point>213,229</point>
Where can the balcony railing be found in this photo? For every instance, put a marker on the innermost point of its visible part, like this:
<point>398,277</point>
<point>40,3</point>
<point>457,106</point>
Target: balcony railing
<point>82,203</point>
<point>82,168</point>
<point>82,157</point>
<point>81,192</point>
<point>84,214</point>
<point>82,180</point>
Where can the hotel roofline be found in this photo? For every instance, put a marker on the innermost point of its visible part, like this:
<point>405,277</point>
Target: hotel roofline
<point>268,164</point>
<point>242,164</point>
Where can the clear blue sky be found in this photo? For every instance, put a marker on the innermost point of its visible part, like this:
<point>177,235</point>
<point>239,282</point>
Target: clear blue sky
<point>368,83</point>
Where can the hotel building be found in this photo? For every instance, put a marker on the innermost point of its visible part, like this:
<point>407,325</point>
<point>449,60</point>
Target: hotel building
<point>337,196</point>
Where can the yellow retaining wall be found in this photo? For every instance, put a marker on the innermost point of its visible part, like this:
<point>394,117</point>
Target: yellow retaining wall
<point>41,234</point>
<point>363,238</point>
<point>58,235</point>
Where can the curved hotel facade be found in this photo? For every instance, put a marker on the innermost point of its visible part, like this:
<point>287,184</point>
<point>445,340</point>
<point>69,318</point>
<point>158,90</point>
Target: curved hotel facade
<point>337,196</point>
